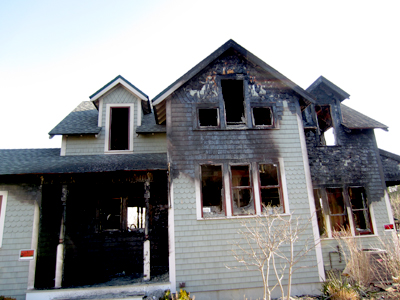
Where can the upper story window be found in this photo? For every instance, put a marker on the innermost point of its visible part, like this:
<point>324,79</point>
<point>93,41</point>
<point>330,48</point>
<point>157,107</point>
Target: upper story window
<point>263,116</point>
<point>233,95</point>
<point>325,123</point>
<point>3,203</point>
<point>119,128</point>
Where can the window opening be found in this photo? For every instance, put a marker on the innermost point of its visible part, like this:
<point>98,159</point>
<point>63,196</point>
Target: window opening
<point>212,191</point>
<point>208,117</point>
<point>337,209</point>
<point>262,116</point>
<point>242,195</point>
<point>270,188</point>
<point>136,217</point>
<point>233,94</point>
<point>119,128</point>
<point>319,212</point>
<point>359,207</point>
<point>325,123</point>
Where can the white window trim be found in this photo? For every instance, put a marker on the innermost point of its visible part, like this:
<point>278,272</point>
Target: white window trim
<point>107,131</point>
<point>228,192</point>
<point>4,195</point>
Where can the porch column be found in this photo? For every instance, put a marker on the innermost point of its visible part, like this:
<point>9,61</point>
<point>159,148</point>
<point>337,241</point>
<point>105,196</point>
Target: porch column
<point>146,244</point>
<point>60,247</point>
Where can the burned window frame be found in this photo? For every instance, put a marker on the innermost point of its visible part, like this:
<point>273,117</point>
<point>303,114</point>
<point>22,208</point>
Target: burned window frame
<point>272,114</point>
<point>197,120</point>
<point>223,205</point>
<point>348,212</point>
<point>130,130</point>
<point>236,189</point>
<point>278,186</point>
<point>322,131</point>
<point>255,186</point>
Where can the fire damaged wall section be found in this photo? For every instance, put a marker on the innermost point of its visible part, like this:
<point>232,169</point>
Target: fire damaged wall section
<point>244,141</point>
<point>354,158</point>
<point>391,167</point>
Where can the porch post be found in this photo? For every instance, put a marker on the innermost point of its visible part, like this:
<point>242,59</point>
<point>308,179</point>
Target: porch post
<point>60,247</point>
<point>146,244</point>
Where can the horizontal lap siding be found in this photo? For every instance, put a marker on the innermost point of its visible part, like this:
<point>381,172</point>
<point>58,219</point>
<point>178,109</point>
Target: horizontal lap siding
<point>203,247</point>
<point>17,235</point>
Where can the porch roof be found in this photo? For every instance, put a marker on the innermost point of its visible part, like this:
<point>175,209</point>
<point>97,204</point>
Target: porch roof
<point>48,161</point>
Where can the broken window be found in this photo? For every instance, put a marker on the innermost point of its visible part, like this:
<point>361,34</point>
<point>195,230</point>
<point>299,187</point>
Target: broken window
<point>233,95</point>
<point>212,191</point>
<point>337,209</point>
<point>359,207</point>
<point>242,194</point>
<point>262,116</point>
<point>119,128</point>
<point>270,186</point>
<point>122,214</point>
<point>319,212</point>
<point>344,210</point>
<point>325,124</point>
<point>208,117</point>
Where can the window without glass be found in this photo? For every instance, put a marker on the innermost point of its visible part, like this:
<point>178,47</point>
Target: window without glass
<point>359,207</point>
<point>212,191</point>
<point>319,212</point>
<point>233,94</point>
<point>262,116</point>
<point>208,117</point>
<point>119,128</point>
<point>242,194</point>
<point>337,209</point>
<point>325,124</point>
<point>270,187</point>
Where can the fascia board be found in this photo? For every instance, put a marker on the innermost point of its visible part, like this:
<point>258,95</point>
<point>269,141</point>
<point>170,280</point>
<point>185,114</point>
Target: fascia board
<point>124,84</point>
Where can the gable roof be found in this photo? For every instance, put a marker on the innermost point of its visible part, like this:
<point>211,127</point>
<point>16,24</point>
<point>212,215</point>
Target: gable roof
<point>323,81</point>
<point>159,103</point>
<point>353,119</point>
<point>82,120</point>
<point>127,85</point>
<point>49,161</point>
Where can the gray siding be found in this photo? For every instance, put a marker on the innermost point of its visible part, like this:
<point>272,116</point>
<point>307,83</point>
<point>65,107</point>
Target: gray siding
<point>203,247</point>
<point>17,235</point>
<point>90,145</point>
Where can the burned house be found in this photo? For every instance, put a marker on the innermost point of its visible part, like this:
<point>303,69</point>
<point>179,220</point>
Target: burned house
<point>142,190</point>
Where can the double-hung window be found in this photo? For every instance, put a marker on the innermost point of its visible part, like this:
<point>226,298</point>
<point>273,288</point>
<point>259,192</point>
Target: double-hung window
<point>228,190</point>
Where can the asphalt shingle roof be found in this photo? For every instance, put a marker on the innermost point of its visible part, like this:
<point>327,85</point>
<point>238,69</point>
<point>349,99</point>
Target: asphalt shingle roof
<point>353,119</point>
<point>48,161</point>
<point>149,125</point>
<point>82,120</point>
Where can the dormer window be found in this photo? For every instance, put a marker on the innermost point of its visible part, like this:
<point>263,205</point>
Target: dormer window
<point>325,124</point>
<point>233,94</point>
<point>119,128</point>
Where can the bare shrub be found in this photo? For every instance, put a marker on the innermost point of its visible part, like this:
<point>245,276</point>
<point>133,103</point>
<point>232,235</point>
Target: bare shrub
<point>261,247</point>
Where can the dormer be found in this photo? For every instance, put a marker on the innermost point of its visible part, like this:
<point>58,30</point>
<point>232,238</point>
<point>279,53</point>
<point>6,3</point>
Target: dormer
<point>110,123</point>
<point>328,116</point>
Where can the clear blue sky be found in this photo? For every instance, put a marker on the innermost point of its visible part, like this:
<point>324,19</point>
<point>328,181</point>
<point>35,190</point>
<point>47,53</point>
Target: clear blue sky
<point>55,54</point>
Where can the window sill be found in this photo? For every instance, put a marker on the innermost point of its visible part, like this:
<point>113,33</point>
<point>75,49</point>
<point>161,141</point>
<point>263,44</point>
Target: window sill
<point>347,237</point>
<point>118,152</point>
<point>238,217</point>
<point>235,128</point>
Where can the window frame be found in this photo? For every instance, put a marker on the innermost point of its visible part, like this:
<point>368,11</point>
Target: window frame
<point>249,187</point>
<point>107,143</point>
<point>227,188</point>
<point>271,109</point>
<point>278,186</point>
<point>348,211</point>
<point>3,208</point>
<point>321,134</point>
<point>224,206</point>
<point>196,118</point>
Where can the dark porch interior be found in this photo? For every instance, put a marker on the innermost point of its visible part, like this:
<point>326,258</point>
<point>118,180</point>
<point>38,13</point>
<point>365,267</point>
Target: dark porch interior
<point>104,228</point>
